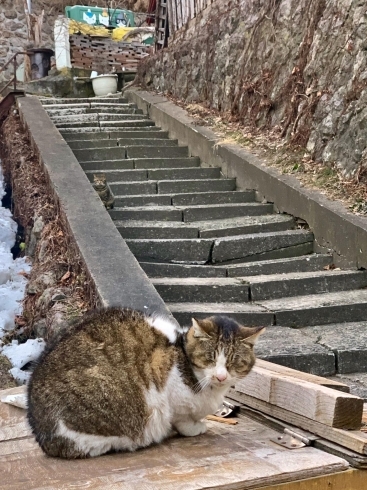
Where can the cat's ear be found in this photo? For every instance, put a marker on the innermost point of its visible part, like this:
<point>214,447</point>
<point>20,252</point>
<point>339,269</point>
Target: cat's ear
<point>199,332</point>
<point>250,335</point>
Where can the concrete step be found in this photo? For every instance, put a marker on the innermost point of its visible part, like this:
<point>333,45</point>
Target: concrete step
<point>140,164</point>
<point>112,125</point>
<point>275,286</point>
<point>318,309</point>
<point>113,110</point>
<point>167,163</point>
<point>133,188</point>
<point>218,197</point>
<point>86,134</point>
<point>74,118</point>
<point>107,142</point>
<point>81,144</point>
<point>224,227</point>
<point>79,125</point>
<point>122,201</point>
<point>300,351</point>
<point>192,185</point>
<point>148,132</point>
<point>245,225</point>
<point>73,105</point>
<point>347,341</point>
<point>203,250</point>
<point>68,110</point>
<point>107,165</point>
<point>110,105</point>
<point>190,199</point>
<point>162,174</point>
<point>203,290</point>
<point>249,246</point>
<point>141,142</point>
<point>102,126</point>
<point>86,155</point>
<point>103,117</point>
<point>164,269</point>
<point>156,229</point>
<point>208,290</point>
<point>57,119</point>
<point>306,263</point>
<point>157,152</point>
<point>62,101</point>
<point>188,214</point>
<point>77,134</point>
<point>115,176</point>
<point>194,251</point>
<point>246,313</point>
<point>169,186</point>
<point>222,212</point>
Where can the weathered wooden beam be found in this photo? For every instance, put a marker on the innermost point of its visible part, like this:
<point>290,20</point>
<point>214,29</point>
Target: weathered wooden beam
<point>354,440</point>
<point>315,402</point>
<point>293,373</point>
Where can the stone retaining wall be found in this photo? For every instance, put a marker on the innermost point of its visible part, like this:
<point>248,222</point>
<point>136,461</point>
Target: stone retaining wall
<point>13,30</point>
<point>296,66</point>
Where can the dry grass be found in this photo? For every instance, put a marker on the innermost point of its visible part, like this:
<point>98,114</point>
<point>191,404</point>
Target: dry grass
<point>6,379</point>
<point>287,158</point>
<point>32,197</point>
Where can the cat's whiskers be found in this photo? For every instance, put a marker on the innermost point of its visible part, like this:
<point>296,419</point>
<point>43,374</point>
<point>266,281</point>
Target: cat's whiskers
<point>202,384</point>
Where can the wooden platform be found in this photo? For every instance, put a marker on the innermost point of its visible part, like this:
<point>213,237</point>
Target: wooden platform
<point>227,457</point>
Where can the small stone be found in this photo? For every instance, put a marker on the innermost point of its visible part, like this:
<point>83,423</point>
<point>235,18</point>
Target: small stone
<point>43,250</point>
<point>47,279</point>
<point>59,296</point>
<point>40,328</point>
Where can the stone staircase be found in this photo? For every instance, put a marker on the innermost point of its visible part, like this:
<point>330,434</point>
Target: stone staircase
<point>210,248</point>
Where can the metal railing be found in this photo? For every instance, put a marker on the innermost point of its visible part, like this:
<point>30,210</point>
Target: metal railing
<point>14,79</point>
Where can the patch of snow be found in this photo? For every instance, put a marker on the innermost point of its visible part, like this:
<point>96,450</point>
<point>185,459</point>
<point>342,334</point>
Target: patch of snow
<point>12,288</point>
<point>20,354</point>
<point>21,377</point>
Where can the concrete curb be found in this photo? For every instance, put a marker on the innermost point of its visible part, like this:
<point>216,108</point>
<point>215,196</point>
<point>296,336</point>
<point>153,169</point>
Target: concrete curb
<point>117,275</point>
<point>335,229</point>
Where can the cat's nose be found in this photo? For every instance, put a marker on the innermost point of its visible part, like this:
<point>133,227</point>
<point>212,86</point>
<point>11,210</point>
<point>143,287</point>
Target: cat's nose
<point>221,377</point>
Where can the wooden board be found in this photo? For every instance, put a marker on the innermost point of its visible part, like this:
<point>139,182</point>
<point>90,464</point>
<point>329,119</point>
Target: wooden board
<point>226,457</point>
<point>348,480</point>
<point>293,373</point>
<point>316,402</point>
<point>354,440</point>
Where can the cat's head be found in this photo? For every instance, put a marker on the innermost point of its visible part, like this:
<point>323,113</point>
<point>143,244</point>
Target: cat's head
<point>99,180</point>
<point>221,350</point>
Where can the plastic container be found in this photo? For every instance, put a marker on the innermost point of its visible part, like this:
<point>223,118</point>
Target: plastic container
<point>97,16</point>
<point>104,84</point>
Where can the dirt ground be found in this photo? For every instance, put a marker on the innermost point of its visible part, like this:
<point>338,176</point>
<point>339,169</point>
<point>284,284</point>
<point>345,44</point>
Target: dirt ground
<point>288,159</point>
<point>6,379</point>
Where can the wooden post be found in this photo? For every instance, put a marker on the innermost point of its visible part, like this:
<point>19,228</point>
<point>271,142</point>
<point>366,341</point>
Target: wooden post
<point>34,30</point>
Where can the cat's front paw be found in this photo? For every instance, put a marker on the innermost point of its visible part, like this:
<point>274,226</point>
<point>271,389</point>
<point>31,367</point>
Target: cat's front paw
<point>191,429</point>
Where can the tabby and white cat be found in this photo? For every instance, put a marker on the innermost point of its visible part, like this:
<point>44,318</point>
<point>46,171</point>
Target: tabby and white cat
<point>103,189</point>
<point>121,381</point>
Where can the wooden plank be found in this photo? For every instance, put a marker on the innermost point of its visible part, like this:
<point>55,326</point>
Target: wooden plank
<point>293,373</point>
<point>226,457</point>
<point>316,402</point>
<point>179,14</point>
<point>171,17</point>
<point>347,480</point>
<point>354,440</point>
